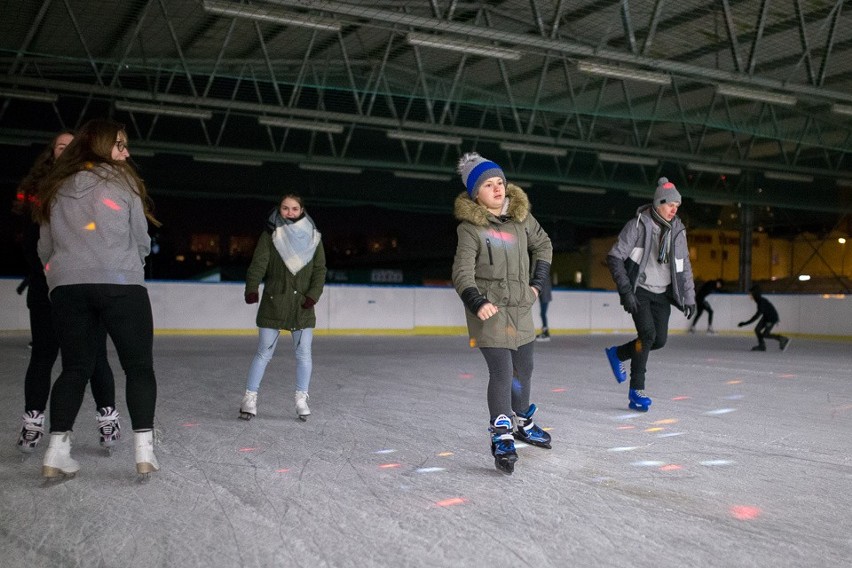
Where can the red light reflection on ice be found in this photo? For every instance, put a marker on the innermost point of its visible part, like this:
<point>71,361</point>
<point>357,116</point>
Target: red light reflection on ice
<point>558,389</point>
<point>282,470</point>
<point>246,449</point>
<point>451,501</point>
<point>671,467</point>
<point>465,375</point>
<point>745,512</point>
<point>111,204</point>
<point>389,465</point>
<point>189,424</point>
<point>681,398</point>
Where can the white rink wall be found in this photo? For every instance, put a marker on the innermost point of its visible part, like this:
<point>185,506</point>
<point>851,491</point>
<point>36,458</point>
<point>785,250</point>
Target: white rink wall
<point>219,307</point>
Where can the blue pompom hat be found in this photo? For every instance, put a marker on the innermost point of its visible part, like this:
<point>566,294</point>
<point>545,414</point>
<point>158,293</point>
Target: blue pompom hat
<point>474,170</point>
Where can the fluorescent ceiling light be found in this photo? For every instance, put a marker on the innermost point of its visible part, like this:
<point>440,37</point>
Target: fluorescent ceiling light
<point>641,194</point>
<point>713,169</point>
<point>441,42</point>
<point>753,95</point>
<point>804,277</point>
<point>841,182</point>
<point>330,168</point>
<point>424,137</point>
<point>581,189</point>
<point>10,141</point>
<point>301,124</point>
<point>841,109</point>
<point>543,150</point>
<point>626,159</point>
<point>29,95</point>
<point>260,14</point>
<point>710,200</point>
<point>784,176</point>
<point>624,73</point>
<point>164,110</point>
<point>423,175</point>
<point>219,159</point>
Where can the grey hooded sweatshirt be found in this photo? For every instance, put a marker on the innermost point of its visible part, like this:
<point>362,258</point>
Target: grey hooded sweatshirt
<point>97,234</point>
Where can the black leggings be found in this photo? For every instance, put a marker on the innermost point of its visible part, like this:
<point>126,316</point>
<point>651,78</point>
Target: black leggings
<point>504,367</point>
<point>763,331</point>
<point>125,312</point>
<point>45,352</point>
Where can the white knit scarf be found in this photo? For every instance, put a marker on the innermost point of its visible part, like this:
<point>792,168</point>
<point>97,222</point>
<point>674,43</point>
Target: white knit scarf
<point>296,242</point>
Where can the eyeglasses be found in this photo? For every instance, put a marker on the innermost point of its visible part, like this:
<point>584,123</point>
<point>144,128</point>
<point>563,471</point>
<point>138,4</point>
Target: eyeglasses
<point>121,146</point>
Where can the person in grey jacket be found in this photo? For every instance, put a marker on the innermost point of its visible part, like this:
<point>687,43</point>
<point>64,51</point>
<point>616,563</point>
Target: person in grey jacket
<point>290,260</point>
<point>650,266</point>
<point>501,264</point>
<point>94,210</point>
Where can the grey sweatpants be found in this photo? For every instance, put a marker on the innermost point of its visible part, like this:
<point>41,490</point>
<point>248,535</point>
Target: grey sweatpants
<point>509,378</point>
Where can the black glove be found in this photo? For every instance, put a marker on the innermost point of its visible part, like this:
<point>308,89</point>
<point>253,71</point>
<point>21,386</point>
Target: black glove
<point>308,303</point>
<point>630,303</point>
<point>252,297</point>
<point>689,310</point>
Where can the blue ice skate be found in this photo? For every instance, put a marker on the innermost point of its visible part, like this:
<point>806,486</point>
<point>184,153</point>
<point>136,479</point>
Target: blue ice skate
<point>503,445</point>
<point>525,429</point>
<point>638,400</point>
<point>616,364</point>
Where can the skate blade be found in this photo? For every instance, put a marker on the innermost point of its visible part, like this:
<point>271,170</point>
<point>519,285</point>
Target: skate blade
<point>505,467</point>
<point>246,416</point>
<point>145,468</point>
<point>54,472</point>
<point>634,406</point>
<point>304,417</point>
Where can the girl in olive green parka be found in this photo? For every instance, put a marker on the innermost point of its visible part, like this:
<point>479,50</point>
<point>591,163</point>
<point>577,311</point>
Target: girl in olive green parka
<point>498,243</point>
<point>290,260</point>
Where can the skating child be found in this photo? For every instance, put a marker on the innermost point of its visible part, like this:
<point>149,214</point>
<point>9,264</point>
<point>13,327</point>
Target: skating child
<point>768,319</point>
<point>651,269</point>
<point>498,241</point>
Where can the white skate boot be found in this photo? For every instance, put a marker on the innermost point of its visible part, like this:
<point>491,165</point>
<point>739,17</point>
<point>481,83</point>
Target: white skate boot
<point>146,461</point>
<point>302,409</point>
<point>248,408</point>
<point>57,458</point>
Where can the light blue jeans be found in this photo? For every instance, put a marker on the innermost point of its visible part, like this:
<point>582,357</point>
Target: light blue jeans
<point>266,343</point>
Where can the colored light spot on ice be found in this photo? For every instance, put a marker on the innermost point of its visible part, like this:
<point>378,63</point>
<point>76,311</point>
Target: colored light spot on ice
<point>719,411</point>
<point>671,467</point>
<point>655,429</point>
<point>445,454</point>
<point>189,424</point>
<point>787,376</point>
<point>451,502</point>
<point>111,204</point>
<point>734,382</point>
<point>670,434</point>
<point>246,449</point>
<point>626,427</point>
<point>548,428</point>
<point>389,465</point>
<point>745,512</point>
<point>622,449</point>
<point>282,470</point>
<point>681,398</point>
<point>465,375</point>
<point>384,451</point>
<point>429,469</point>
<point>558,389</point>
<point>713,463</point>
<point>90,227</point>
<point>648,463</point>
<point>665,421</point>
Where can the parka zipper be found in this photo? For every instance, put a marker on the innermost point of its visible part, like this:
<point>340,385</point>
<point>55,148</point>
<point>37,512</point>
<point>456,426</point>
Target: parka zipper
<point>488,246</point>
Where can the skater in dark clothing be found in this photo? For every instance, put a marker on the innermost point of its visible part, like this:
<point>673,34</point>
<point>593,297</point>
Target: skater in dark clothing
<point>498,241</point>
<point>703,305</point>
<point>45,342</point>
<point>544,299</point>
<point>650,266</point>
<point>768,319</point>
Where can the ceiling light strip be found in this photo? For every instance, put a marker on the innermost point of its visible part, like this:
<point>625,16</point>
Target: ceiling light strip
<point>581,189</point>
<point>424,137</point>
<point>627,159</point>
<point>714,169</point>
<point>329,168</point>
<point>164,110</point>
<point>29,95</point>
<point>300,124</point>
<point>787,176</point>
<point>754,95</point>
<point>219,159</point>
<point>422,175</point>
<point>442,42</point>
<point>252,12</point>
<point>532,149</point>
<point>610,71</point>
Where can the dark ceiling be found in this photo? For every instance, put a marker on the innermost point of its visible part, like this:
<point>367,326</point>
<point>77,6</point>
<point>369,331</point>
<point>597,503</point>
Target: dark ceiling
<point>583,102</point>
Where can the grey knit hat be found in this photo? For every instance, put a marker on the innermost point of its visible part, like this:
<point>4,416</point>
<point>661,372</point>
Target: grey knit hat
<point>474,170</point>
<point>666,193</point>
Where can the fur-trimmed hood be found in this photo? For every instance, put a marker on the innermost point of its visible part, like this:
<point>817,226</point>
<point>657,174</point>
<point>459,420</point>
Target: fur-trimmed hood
<point>466,209</point>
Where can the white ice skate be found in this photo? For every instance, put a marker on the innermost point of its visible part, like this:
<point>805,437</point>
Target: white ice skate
<point>57,458</point>
<point>248,408</point>
<point>302,409</point>
<point>146,461</point>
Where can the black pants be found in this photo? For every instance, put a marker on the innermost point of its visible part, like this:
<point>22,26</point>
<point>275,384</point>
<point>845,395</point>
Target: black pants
<point>504,366</point>
<point>45,352</point>
<point>652,327</point>
<point>125,313</point>
<point>703,306</point>
<point>763,331</point>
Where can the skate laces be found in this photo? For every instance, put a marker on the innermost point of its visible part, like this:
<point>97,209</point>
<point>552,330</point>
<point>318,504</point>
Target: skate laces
<point>33,425</point>
<point>108,423</point>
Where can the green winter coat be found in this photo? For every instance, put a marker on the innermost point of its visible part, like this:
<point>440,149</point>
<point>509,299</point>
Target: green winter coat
<point>283,292</point>
<point>494,256</point>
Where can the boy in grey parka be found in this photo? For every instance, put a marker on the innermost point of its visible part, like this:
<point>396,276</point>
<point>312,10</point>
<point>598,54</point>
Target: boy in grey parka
<point>498,243</point>
<point>650,266</point>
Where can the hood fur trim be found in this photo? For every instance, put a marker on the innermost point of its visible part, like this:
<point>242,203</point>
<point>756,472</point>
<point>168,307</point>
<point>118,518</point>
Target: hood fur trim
<point>466,209</point>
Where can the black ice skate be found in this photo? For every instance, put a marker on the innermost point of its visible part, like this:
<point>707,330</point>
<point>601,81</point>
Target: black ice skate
<point>503,445</point>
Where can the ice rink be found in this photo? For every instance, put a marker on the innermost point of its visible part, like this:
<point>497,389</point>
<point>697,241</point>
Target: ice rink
<point>743,460</point>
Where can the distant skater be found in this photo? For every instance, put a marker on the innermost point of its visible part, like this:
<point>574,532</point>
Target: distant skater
<point>703,305</point>
<point>650,266</point>
<point>544,299</point>
<point>768,319</point>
